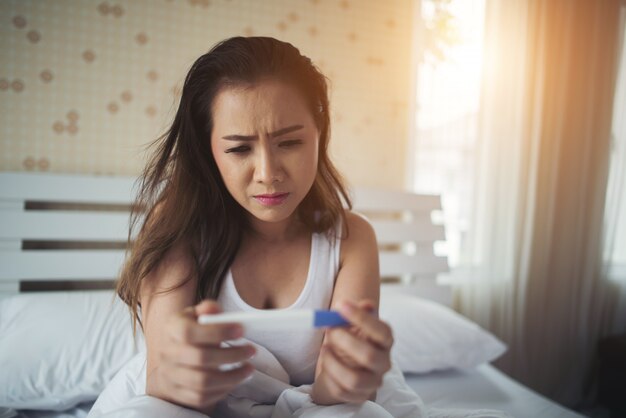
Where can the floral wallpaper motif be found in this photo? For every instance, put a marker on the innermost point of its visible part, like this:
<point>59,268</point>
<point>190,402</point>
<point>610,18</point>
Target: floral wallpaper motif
<point>86,84</point>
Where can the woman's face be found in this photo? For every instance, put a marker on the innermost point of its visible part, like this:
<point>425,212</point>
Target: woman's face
<point>265,144</point>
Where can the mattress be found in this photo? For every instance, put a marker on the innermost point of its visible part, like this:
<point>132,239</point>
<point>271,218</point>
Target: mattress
<point>484,388</point>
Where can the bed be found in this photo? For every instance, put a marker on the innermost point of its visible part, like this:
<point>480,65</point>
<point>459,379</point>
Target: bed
<point>64,334</point>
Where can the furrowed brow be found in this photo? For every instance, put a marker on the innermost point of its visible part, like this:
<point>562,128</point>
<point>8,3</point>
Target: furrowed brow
<point>274,134</point>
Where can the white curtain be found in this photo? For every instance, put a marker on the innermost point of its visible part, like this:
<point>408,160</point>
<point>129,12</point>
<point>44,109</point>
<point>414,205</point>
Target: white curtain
<point>615,213</point>
<point>534,256</point>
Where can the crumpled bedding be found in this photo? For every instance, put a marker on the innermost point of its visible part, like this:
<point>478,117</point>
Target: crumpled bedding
<point>268,394</point>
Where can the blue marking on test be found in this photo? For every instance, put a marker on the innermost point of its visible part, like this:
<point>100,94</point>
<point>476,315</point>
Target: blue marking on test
<point>328,319</point>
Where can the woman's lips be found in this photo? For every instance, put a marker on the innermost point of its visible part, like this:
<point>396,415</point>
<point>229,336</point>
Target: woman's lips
<point>271,199</point>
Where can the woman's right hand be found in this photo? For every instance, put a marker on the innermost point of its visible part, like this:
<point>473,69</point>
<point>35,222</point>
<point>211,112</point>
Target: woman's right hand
<point>189,372</point>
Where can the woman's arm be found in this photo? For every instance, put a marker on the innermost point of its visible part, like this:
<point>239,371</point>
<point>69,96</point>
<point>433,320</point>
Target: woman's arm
<point>353,361</point>
<point>183,357</point>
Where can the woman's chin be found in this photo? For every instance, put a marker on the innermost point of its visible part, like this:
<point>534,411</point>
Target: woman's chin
<point>271,214</point>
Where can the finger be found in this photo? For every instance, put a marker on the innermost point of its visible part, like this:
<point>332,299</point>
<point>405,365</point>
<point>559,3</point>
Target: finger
<point>352,380</point>
<point>340,393</point>
<point>207,357</point>
<point>363,353</point>
<point>185,329</point>
<point>195,399</point>
<point>372,327</point>
<point>206,380</point>
<point>207,307</point>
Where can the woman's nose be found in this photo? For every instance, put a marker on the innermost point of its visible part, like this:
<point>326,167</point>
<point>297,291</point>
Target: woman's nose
<point>268,168</point>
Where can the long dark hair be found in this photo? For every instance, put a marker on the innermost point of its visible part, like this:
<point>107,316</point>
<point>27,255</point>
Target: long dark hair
<point>182,198</point>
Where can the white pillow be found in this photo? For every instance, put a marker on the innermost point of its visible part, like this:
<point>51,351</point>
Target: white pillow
<point>429,336</point>
<point>61,348</point>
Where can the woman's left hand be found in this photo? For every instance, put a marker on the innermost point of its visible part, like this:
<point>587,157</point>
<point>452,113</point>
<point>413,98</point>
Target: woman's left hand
<point>354,359</point>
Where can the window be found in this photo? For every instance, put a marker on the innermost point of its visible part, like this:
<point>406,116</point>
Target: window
<point>448,94</point>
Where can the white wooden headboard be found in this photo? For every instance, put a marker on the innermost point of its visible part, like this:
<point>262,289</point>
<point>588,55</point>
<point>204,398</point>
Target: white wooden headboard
<point>59,229</point>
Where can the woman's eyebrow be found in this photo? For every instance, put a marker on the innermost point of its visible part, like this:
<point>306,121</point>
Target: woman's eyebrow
<point>274,134</point>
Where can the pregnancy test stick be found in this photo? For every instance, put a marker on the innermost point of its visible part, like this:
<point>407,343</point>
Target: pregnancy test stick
<point>296,319</point>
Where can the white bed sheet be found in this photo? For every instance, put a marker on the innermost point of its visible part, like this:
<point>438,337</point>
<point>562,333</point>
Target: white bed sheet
<point>484,388</point>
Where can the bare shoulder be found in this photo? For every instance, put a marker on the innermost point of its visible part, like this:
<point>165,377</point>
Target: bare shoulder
<point>174,269</point>
<point>358,231</point>
<point>358,276</point>
<point>176,265</point>
<point>359,238</point>
<point>166,290</point>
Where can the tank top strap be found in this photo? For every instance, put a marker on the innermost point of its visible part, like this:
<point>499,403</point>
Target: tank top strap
<point>326,263</point>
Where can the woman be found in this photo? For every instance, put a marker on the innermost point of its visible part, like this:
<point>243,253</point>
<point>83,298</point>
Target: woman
<point>244,211</point>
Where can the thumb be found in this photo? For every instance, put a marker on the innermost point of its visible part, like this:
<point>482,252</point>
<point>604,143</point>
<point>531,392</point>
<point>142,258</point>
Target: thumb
<point>207,306</point>
<point>203,308</point>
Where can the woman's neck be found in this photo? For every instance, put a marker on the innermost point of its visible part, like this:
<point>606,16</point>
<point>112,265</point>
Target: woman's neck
<point>275,232</point>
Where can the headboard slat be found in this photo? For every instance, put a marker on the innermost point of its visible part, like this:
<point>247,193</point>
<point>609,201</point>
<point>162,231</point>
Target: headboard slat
<point>59,225</point>
<point>66,188</point>
<point>60,264</point>
<point>420,230</point>
<point>370,199</point>
<point>397,264</point>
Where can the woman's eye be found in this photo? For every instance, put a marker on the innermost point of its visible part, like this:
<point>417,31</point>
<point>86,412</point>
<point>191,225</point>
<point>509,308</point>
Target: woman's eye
<point>290,143</point>
<point>238,150</point>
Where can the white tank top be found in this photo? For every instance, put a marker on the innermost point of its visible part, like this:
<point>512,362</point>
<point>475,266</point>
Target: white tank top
<point>297,351</point>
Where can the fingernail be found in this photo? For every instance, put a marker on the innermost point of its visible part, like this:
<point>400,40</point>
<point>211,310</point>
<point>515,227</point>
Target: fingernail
<point>251,352</point>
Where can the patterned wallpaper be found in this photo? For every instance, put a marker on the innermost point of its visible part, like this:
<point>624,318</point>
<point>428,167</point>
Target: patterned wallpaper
<point>85,84</point>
